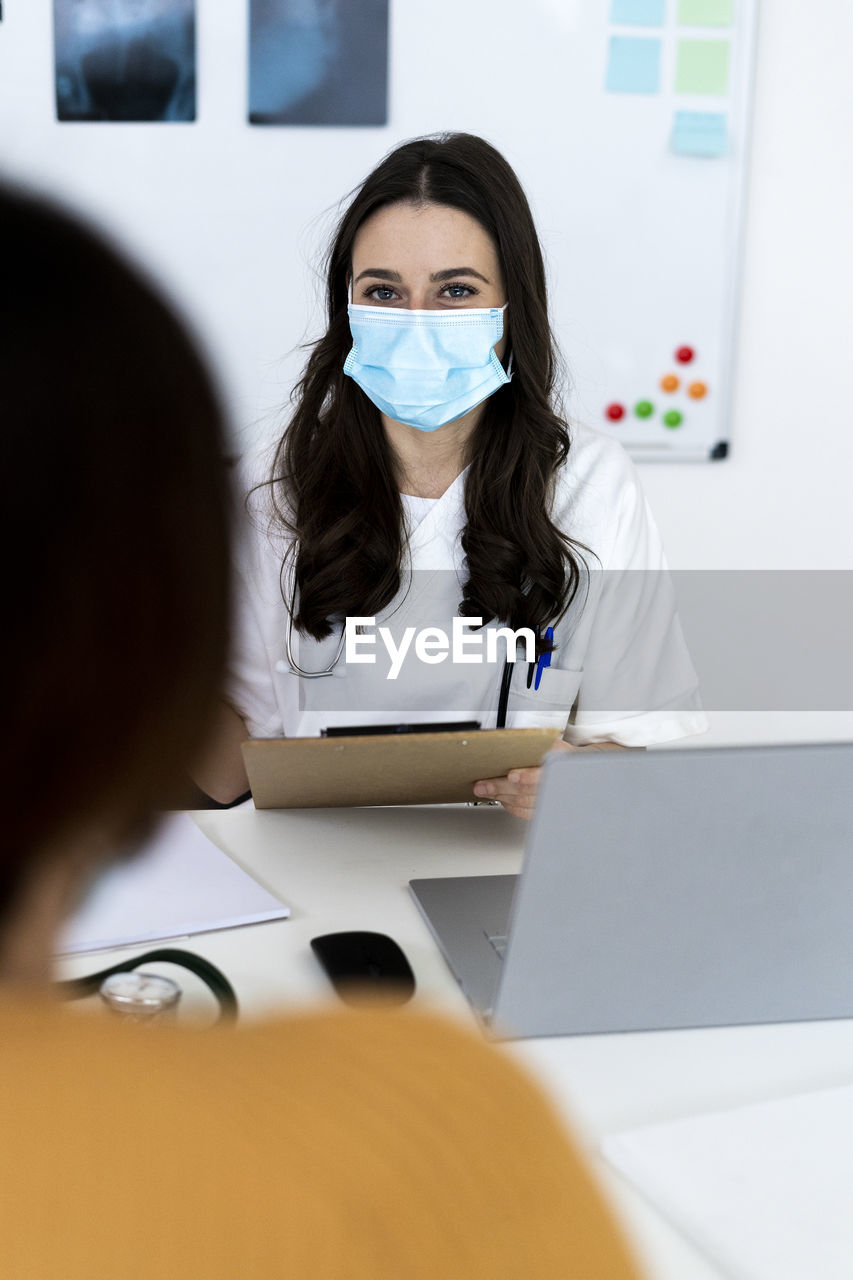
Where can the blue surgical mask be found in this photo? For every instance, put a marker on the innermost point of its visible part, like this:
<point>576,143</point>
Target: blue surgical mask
<point>426,368</point>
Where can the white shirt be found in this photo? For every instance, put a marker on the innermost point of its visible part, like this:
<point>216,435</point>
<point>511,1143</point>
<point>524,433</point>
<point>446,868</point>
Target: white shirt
<point>620,671</point>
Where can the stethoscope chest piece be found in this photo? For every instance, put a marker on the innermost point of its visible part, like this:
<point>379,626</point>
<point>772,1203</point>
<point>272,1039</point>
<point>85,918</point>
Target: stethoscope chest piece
<point>139,996</point>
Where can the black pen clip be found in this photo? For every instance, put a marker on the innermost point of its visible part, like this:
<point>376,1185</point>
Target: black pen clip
<point>531,666</point>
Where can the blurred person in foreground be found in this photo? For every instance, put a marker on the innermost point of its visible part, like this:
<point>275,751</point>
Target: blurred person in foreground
<point>333,1145</point>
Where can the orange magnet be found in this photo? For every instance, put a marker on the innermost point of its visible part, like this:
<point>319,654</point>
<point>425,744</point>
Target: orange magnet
<point>697,390</point>
<point>669,383</point>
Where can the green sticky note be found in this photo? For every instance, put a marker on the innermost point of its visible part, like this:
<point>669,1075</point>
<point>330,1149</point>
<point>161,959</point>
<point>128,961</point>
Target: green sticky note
<point>705,13</point>
<point>702,66</point>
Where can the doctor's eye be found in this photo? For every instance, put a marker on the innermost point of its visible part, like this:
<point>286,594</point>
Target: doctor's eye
<point>457,292</point>
<point>381,293</point>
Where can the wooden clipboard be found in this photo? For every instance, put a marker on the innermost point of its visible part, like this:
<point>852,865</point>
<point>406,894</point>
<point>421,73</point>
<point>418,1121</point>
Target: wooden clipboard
<point>392,768</point>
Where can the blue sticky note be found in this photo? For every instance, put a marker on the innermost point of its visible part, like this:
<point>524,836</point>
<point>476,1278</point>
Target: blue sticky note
<point>700,133</point>
<point>638,13</point>
<point>634,65</point>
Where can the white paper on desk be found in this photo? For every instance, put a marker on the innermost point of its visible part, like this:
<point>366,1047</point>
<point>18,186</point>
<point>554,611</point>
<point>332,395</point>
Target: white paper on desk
<point>765,1190</point>
<point>179,884</point>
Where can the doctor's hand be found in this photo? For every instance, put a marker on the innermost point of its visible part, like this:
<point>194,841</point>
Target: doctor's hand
<point>518,790</point>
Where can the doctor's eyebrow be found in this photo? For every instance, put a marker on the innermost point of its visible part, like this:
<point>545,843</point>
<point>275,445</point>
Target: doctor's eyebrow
<point>457,271</point>
<point>379,273</point>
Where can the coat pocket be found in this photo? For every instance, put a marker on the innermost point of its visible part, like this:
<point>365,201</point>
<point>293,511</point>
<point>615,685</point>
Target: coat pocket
<point>548,706</point>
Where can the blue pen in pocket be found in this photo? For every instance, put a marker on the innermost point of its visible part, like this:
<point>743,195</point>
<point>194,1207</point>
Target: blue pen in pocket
<point>544,661</point>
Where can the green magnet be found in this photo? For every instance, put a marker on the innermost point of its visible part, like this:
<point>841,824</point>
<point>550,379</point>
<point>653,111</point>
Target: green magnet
<point>673,418</point>
<point>644,408</point>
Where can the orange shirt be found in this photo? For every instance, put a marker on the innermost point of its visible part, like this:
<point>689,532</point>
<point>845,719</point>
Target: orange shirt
<point>373,1145</point>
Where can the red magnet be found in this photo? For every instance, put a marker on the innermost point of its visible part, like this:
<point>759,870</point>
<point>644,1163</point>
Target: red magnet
<point>615,412</point>
<point>684,355</point>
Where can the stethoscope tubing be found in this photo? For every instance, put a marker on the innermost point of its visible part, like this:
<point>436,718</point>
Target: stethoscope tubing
<point>506,674</point>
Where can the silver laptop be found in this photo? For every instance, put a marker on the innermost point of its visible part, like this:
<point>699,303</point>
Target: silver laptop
<point>662,889</point>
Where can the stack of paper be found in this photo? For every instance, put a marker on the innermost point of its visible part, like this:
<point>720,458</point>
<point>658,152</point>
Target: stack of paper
<point>179,884</point>
<point>766,1190</point>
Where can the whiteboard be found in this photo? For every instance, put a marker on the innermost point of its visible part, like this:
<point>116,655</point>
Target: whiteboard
<point>641,244</point>
<point>652,282</point>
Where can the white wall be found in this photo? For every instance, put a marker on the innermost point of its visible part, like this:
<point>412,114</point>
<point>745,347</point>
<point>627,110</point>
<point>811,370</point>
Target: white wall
<point>232,218</point>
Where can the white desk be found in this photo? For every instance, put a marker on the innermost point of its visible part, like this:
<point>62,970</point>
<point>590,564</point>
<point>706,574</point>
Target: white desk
<point>349,869</point>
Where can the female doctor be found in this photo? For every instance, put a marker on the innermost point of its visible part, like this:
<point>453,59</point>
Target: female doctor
<point>431,541</point>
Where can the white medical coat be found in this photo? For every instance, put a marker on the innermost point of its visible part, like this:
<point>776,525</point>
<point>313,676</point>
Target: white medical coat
<point>620,671</point>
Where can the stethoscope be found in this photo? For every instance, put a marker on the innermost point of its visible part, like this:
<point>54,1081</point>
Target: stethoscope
<point>288,650</point>
<point>503,697</point>
<point>534,669</point>
<point>137,1004</point>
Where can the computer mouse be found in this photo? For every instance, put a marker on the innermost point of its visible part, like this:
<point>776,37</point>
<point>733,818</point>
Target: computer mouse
<point>365,967</point>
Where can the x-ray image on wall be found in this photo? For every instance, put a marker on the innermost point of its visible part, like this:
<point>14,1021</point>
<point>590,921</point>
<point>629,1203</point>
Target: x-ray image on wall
<point>318,62</point>
<point>125,59</point>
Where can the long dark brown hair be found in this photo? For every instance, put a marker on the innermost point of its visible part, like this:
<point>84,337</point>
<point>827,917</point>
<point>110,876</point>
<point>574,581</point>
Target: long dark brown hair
<point>115,530</point>
<point>333,479</point>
